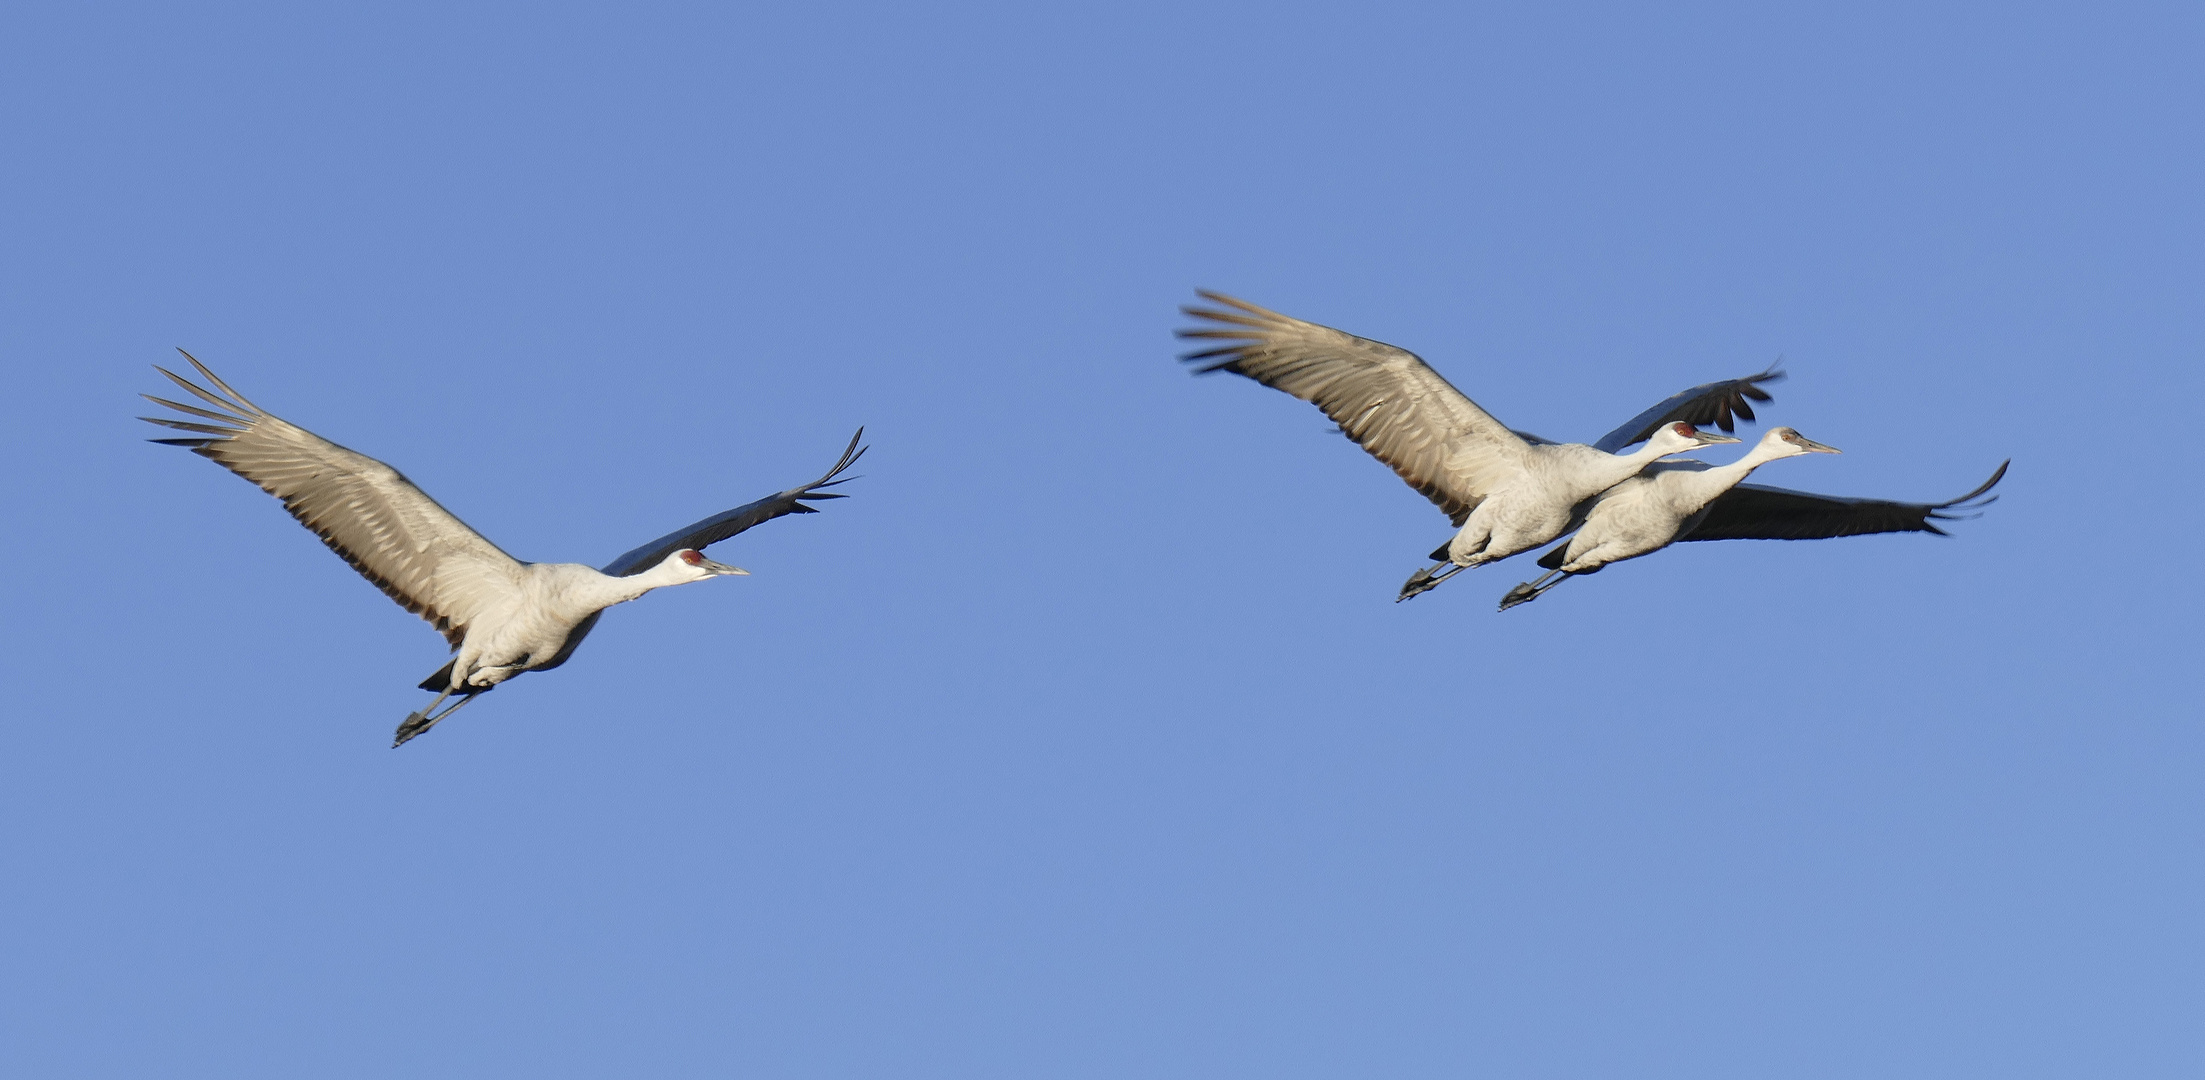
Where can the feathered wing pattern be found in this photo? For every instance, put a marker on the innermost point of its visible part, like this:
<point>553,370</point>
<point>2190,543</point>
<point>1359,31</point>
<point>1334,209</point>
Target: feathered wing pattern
<point>719,527</point>
<point>1385,398</point>
<point>1708,403</point>
<point>1758,512</point>
<point>392,532</point>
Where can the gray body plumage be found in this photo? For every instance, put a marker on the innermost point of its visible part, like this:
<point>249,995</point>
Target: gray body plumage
<point>1535,504</point>
<point>1649,511</point>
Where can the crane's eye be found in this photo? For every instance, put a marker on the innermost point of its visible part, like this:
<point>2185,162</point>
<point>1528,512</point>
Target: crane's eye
<point>692,558</point>
<point>1685,429</point>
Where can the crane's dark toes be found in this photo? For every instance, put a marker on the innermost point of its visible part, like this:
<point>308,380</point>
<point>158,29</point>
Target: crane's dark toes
<point>1521,594</point>
<point>415,724</point>
<point>1420,581</point>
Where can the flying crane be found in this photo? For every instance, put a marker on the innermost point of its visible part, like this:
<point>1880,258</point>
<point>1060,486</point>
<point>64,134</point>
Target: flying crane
<point>1505,491</point>
<point>1677,501</point>
<point>501,616</point>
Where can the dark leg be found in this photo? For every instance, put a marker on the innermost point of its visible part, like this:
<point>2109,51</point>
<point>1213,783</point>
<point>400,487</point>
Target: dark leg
<point>1532,590</point>
<point>418,722</point>
<point>1425,581</point>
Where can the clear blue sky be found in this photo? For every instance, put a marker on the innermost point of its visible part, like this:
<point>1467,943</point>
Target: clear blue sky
<point>1085,740</point>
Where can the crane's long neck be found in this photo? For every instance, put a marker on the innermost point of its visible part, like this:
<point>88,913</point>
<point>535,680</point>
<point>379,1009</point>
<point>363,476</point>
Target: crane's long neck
<point>1626,466</point>
<point>1711,482</point>
<point>599,591</point>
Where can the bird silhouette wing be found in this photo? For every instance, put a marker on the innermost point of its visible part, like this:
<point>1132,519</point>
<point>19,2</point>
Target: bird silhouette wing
<point>392,532</point>
<point>1708,403</point>
<point>1758,512</point>
<point>1385,398</point>
<point>719,527</point>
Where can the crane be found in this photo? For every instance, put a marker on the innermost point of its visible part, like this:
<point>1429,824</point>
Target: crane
<point>1649,511</point>
<point>1677,501</point>
<point>1505,491</point>
<point>501,616</point>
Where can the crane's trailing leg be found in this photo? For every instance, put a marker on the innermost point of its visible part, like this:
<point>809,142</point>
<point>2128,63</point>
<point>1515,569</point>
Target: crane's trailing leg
<point>1425,580</point>
<point>1532,590</point>
<point>421,721</point>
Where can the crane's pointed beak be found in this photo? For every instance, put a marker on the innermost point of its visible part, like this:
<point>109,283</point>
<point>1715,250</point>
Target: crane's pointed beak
<point>723,568</point>
<point>1709,438</point>
<point>1813,447</point>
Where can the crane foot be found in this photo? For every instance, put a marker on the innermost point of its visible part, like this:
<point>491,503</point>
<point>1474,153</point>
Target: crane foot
<point>1424,581</point>
<point>1418,582</point>
<point>418,722</point>
<point>415,724</point>
<point>1528,591</point>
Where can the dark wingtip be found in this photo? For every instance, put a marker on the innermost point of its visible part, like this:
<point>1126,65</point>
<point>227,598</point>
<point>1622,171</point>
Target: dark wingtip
<point>1213,361</point>
<point>1985,486</point>
<point>850,456</point>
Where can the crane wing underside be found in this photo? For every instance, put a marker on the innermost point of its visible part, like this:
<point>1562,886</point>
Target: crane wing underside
<point>1390,402</point>
<point>375,519</point>
<point>720,526</point>
<point>1759,512</point>
<point>1708,403</point>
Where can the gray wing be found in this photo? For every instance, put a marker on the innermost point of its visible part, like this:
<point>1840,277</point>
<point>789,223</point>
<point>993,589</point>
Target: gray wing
<point>1708,403</point>
<point>430,562</point>
<point>1385,398</point>
<point>719,527</point>
<point>1756,512</point>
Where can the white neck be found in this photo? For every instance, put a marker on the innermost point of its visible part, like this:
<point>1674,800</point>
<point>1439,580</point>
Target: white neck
<point>1629,465</point>
<point>1715,480</point>
<point>605,590</point>
<point>1652,451</point>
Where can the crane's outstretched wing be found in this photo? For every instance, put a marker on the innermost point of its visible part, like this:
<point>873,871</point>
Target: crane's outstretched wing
<point>1755,512</point>
<point>711,530</point>
<point>1385,398</point>
<point>719,527</point>
<point>375,519</point>
<point>1708,403</point>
